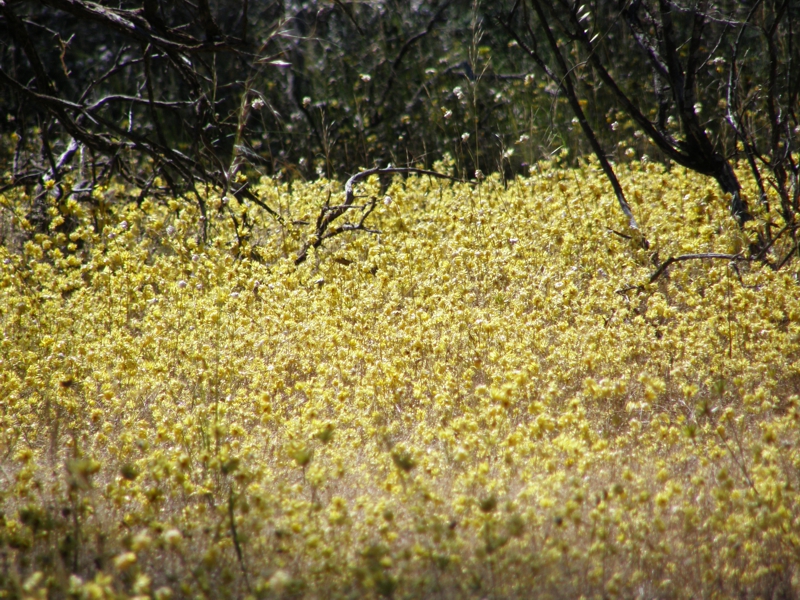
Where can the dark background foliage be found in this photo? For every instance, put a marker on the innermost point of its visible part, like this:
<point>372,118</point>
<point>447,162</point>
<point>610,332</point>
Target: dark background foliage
<point>172,96</point>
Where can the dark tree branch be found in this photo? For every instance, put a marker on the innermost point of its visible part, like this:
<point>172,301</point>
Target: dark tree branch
<point>58,106</point>
<point>153,104</point>
<point>778,155</point>
<point>437,16</point>
<point>150,8</point>
<point>350,16</point>
<point>133,26</point>
<point>697,153</point>
<point>19,32</point>
<point>564,81</point>
<point>693,60</point>
<point>735,122</point>
<point>207,20</point>
<point>684,257</point>
<point>151,97</point>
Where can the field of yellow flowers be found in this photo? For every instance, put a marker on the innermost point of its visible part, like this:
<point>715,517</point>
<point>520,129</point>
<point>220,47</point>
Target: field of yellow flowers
<point>485,399</point>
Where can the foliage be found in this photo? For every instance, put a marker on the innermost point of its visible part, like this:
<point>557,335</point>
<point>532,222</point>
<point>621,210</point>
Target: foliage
<point>697,54</point>
<point>193,91</point>
<point>487,397</point>
<point>303,88</point>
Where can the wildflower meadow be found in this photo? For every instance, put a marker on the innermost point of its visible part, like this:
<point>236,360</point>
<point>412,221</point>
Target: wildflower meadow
<point>484,392</point>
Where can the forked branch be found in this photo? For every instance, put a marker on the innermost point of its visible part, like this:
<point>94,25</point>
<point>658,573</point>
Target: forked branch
<point>328,214</point>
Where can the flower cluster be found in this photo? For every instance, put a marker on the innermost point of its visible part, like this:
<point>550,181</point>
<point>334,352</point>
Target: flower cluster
<point>485,398</point>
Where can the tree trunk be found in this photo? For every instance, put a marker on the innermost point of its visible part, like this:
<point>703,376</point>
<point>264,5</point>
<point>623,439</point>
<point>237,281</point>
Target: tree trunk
<point>726,178</point>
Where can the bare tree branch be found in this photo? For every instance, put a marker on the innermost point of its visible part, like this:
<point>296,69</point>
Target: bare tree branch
<point>684,257</point>
<point>328,214</point>
<point>564,81</point>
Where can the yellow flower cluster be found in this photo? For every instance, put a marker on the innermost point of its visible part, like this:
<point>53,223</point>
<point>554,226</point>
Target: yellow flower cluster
<point>486,398</point>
